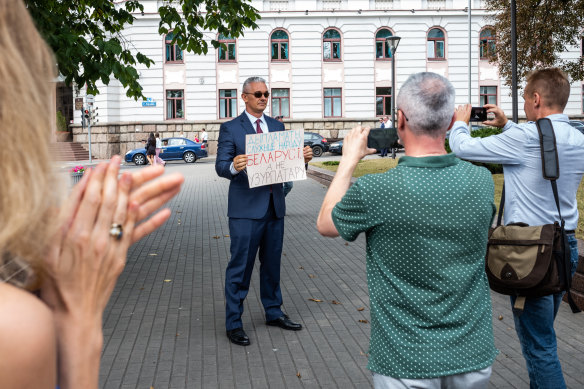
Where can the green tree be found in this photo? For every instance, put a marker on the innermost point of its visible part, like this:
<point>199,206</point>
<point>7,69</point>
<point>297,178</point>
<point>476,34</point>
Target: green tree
<point>87,36</point>
<point>545,28</point>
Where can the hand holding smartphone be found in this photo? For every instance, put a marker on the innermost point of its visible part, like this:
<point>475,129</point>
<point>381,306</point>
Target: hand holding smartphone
<point>478,114</point>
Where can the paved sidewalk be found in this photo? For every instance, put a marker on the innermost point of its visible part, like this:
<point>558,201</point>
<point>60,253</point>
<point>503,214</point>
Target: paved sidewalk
<point>164,326</point>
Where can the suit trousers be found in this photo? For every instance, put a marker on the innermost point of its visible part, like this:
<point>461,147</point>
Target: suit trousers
<point>247,236</point>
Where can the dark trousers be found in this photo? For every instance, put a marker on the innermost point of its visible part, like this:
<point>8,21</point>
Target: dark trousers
<point>247,236</point>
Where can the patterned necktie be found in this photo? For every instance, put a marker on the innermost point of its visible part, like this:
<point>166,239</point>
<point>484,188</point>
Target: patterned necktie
<point>258,128</point>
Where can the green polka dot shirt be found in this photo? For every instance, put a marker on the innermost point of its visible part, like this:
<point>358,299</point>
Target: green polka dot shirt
<point>426,223</point>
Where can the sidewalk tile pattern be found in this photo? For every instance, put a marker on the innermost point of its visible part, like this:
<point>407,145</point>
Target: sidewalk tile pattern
<point>164,326</point>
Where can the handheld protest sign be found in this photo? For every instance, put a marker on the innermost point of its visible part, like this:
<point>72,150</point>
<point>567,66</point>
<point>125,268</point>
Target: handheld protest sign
<point>275,157</point>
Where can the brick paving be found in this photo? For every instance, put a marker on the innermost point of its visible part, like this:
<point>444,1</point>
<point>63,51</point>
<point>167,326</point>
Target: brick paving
<point>164,326</point>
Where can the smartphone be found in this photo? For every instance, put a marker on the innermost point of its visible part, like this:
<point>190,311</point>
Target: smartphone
<point>382,138</point>
<point>478,114</point>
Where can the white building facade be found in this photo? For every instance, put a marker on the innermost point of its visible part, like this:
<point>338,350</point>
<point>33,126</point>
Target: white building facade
<point>326,63</point>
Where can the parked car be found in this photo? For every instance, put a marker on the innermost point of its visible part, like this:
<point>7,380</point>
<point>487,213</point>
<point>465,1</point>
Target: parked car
<point>172,149</point>
<point>577,124</point>
<point>336,147</point>
<point>317,142</point>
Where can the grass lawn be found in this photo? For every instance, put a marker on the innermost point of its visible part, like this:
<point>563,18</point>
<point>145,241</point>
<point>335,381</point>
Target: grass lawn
<point>382,164</point>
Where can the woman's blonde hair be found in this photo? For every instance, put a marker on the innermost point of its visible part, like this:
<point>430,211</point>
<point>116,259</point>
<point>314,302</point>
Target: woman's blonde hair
<point>27,189</point>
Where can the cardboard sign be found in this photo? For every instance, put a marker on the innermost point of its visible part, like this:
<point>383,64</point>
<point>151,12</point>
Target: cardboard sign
<point>275,157</point>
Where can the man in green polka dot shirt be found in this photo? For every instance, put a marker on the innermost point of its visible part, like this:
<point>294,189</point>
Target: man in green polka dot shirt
<point>426,223</point>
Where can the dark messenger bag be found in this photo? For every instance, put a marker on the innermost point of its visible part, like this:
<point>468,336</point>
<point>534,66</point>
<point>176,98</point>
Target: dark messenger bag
<point>532,261</point>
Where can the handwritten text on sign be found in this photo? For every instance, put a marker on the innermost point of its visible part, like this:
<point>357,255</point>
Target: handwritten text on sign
<point>275,157</point>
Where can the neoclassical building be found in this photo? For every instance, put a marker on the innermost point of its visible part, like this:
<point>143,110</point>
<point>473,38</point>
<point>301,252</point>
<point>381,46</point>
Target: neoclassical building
<point>326,62</point>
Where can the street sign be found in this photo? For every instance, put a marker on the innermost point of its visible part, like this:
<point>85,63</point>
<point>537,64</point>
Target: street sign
<point>149,102</point>
<point>90,99</point>
<point>79,103</point>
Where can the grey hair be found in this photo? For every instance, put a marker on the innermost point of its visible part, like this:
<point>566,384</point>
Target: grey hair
<point>251,80</point>
<point>427,99</point>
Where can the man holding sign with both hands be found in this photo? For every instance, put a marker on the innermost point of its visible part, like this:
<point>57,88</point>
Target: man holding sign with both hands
<point>256,216</point>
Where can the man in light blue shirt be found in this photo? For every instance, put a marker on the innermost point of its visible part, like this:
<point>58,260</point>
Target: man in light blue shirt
<point>529,198</point>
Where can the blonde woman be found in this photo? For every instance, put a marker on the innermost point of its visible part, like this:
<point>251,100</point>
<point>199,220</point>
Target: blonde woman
<point>72,251</point>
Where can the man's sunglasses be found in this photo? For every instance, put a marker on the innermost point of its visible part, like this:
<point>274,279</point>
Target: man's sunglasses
<point>258,94</point>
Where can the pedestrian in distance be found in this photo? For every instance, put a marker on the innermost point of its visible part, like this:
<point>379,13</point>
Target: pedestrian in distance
<point>383,152</point>
<point>157,159</point>
<point>151,148</point>
<point>60,256</point>
<point>431,315</point>
<point>256,217</point>
<point>529,199</point>
<point>204,136</point>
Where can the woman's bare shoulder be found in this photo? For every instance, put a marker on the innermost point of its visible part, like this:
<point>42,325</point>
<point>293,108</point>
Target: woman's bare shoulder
<point>27,340</point>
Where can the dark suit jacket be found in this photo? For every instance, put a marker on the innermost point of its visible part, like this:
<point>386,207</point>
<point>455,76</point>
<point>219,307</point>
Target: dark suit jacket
<point>244,202</point>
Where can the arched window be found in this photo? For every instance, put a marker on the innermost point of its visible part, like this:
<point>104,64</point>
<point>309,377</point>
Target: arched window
<point>487,45</point>
<point>279,45</point>
<point>227,54</point>
<point>173,52</point>
<point>331,45</point>
<point>382,49</point>
<point>435,44</point>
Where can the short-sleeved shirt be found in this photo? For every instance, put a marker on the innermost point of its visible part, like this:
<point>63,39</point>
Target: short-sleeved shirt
<point>426,223</point>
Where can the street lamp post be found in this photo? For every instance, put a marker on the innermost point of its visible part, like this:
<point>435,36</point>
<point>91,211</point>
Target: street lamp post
<point>393,42</point>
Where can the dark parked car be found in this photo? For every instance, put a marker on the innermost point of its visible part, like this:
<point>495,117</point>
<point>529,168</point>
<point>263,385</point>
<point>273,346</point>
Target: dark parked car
<point>577,125</point>
<point>172,149</point>
<point>336,147</point>
<point>317,142</point>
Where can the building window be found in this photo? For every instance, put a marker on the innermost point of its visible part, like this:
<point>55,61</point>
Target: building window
<point>332,102</point>
<point>227,53</point>
<point>382,49</point>
<point>278,5</point>
<point>435,44</point>
<point>279,45</point>
<point>331,45</point>
<point>281,102</point>
<point>383,101</point>
<point>488,95</point>
<point>175,104</point>
<point>173,52</point>
<point>487,45</point>
<point>384,4</point>
<point>227,103</point>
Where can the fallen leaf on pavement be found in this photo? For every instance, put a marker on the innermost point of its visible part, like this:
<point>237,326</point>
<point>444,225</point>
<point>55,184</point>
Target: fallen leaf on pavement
<point>227,236</point>
<point>361,309</point>
<point>167,280</point>
<point>152,254</point>
<point>315,300</point>
<point>216,237</point>
<point>311,276</point>
<point>301,268</point>
<point>298,374</point>
<point>335,302</point>
<point>346,244</point>
<point>500,317</point>
<point>363,321</point>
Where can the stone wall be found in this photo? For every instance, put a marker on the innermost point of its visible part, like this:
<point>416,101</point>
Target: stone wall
<point>117,138</point>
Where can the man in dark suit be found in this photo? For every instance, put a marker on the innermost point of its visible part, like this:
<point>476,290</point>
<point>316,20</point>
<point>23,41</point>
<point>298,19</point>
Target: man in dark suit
<point>256,217</point>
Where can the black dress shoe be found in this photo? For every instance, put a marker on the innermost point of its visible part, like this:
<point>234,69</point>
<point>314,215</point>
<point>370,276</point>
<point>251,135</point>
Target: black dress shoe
<point>285,323</point>
<point>238,336</point>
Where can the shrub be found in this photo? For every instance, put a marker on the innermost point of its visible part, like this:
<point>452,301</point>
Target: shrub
<point>330,163</point>
<point>61,122</point>
<point>494,168</point>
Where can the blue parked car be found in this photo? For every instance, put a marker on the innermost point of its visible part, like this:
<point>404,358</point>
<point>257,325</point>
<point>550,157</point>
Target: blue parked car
<point>172,149</point>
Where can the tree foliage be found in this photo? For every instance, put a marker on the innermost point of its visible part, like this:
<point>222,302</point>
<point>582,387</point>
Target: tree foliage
<point>545,29</point>
<point>87,36</point>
